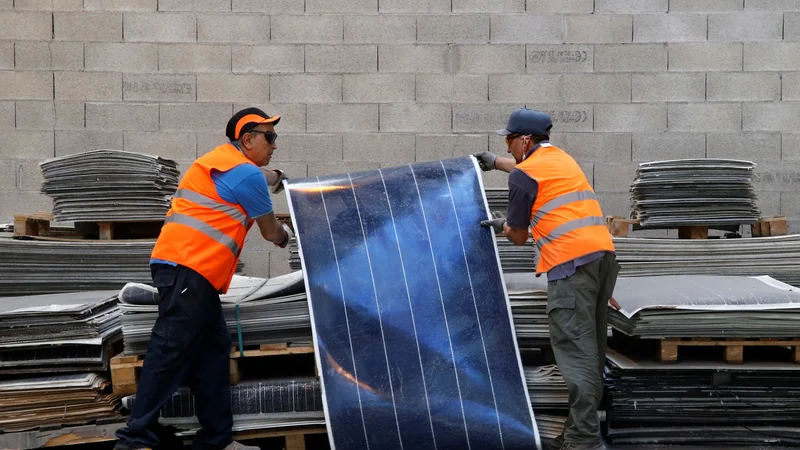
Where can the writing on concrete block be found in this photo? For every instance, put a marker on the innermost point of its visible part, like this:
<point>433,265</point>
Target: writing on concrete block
<point>570,116</point>
<point>157,87</point>
<point>560,58</point>
<point>769,177</point>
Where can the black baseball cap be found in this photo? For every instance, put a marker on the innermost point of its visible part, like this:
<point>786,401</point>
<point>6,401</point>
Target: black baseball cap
<point>247,119</point>
<point>527,121</point>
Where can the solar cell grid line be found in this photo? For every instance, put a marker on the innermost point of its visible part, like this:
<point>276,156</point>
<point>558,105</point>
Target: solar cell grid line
<point>397,255</point>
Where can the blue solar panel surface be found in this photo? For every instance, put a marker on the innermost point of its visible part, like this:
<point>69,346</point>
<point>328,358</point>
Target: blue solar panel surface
<point>412,327</point>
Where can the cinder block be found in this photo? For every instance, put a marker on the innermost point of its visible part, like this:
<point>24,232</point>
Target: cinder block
<point>489,59</point>
<point>791,26</point>
<point>6,5</point>
<point>746,146</point>
<point>669,87</point>
<point>665,146</point>
<point>560,58</point>
<point>88,26</point>
<point>415,58</point>
<point>599,29</point>
<point>744,87</point>
<point>122,116</point>
<point>672,27</point>
<point>434,147</point>
<point>91,86</point>
<point>784,56</point>
<point>69,142</point>
<point>448,28</point>
<point>790,86</point>
<point>790,147</point>
<point>524,29</point>
<point>705,5</point>
<point>381,29</point>
<point>232,88</point>
<point>342,6</point>
<point>195,5</point>
<point>159,88</point>
<point>341,58</point>
<point>209,140</point>
<point>15,202</point>
<point>256,262</point>
<point>323,169</point>
<point>293,115</point>
<point>745,26</point>
<point>24,26</point>
<point>269,6</point>
<point>306,88</point>
<point>7,114</point>
<point>415,6</point>
<point>421,118</point>
<point>773,5</point>
<point>160,27</point>
<point>195,117</point>
<point>66,55</point>
<point>496,6</point>
<point>614,203</point>
<point>777,177</point>
<point>447,88</point>
<point>790,207</point>
<point>307,29</point>
<point>26,85</point>
<point>776,116</point>
<point>35,115</point>
<point>475,118</point>
<point>268,59</point>
<point>630,58</point>
<point>566,117</point>
<point>120,5</point>
<point>41,55</point>
<point>339,117</point>
<point>707,57</point>
<point>633,118</point>
<point>594,147</point>
<point>26,144</point>
<point>309,147</point>
<point>378,88</point>
<point>711,117</point>
<point>631,6</point>
<point>769,203</point>
<point>118,57</point>
<point>597,88</point>
<point>7,55</point>
<point>614,177</point>
<point>384,148</point>
<point>560,6</point>
<point>180,146</point>
<point>46,5</point>
<point>247,28</point>
<point>70,115</point>
<point>194,58</point>
<point>279,260</point>
<point>526,88</point>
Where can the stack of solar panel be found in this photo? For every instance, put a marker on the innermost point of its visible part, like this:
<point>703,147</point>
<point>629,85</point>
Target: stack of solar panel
<point>38,267</point>
<point>528,296</point>
<point>58,332</point>
<point>778,257</point>
<point>30,403</point>
<point>694,192</point>
<point>109,185</point>
<point>270,311</point>
<point>497,198</point>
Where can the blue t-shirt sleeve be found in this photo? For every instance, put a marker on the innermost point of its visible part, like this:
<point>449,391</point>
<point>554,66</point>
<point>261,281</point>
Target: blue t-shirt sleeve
<point>244,185</point>
<point>522,191</point>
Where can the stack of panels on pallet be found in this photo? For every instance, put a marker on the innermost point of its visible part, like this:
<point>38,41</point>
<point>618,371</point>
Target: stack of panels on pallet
<point>528,296</point>
<point>269,311</point>
<point>701,403</point>
<point>497,198</point>
<point>694,192</point>
<point>58,400</point>
<point>777,256</point>
<point>109,185</point>
<point>58,332</point>
<point>706,306</point>
<point>547,388</point>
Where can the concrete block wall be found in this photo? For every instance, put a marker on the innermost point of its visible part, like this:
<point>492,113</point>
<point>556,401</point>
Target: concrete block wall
<point>363,84</point>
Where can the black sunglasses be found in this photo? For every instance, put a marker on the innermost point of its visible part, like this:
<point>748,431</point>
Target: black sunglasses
<point>268,135</point>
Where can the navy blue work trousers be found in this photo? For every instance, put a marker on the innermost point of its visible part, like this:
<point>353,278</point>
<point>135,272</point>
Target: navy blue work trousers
<point>189,344</point>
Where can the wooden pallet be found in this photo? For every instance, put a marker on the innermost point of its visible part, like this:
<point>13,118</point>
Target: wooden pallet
<point>38,226</point>
<point>125,369</point>
<point>766,226</point>
<point>46,437</point>
<point>734,347</point>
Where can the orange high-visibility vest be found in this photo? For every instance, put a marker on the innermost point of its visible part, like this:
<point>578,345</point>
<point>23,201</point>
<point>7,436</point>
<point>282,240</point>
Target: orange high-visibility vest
<point>566,219</point>
<point>202,231</point>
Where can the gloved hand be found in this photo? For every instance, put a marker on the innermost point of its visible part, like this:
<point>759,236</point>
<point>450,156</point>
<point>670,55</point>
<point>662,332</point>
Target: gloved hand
<point>289,236</point>
<point>486,160</point>
<point>275,179</point>
<point>497,223</point>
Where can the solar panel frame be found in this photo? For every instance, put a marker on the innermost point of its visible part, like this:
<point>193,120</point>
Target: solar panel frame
<point>333,191</point>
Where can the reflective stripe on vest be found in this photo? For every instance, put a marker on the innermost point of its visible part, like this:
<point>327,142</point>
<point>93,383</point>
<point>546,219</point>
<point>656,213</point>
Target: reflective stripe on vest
<point>208,202</point>
<point>572,225</point>
<point>561,201</point>
<point>206,229</point>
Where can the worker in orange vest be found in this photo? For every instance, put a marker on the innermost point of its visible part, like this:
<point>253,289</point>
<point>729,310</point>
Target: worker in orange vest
<point>219,198</point>
<point>549,194</point>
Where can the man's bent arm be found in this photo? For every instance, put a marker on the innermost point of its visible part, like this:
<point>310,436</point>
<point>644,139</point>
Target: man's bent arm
<point>505,164</point>
<point>272,230</point>
<point>516,235</point>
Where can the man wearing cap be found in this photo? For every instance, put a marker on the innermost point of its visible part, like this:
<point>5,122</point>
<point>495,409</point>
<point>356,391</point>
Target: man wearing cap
<point>219,198</point>
<point>549,194</point>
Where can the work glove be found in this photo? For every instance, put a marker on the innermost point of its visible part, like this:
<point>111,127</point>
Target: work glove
<point>497,223</point>
<point>486,160</point>
<point>275,179</point>
<point>289,236</point>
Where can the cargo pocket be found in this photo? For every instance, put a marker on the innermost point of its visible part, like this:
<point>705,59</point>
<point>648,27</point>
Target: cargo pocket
<point>561,313</point>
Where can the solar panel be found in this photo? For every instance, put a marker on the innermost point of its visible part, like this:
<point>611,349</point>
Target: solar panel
<point>412,326</point>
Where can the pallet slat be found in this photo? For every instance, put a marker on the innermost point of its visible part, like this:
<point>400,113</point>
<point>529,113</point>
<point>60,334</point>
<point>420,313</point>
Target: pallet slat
<point>38,226</point>
<point>734,347</point>
<point>766,226</point>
